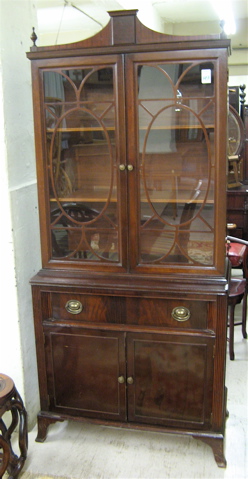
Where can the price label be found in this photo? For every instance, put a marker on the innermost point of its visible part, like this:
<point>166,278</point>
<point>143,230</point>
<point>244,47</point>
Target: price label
<point>206,75</point>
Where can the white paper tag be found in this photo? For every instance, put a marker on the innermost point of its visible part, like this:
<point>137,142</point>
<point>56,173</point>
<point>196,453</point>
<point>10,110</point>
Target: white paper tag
<point>206,75</point>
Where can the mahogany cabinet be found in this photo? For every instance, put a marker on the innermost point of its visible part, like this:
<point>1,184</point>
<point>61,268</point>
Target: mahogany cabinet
<point>130,307</point>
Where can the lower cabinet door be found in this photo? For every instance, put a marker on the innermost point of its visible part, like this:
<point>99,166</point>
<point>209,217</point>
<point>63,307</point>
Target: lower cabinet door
<point>85,373</point>
<point>170,379</point>
<point>150,378</point>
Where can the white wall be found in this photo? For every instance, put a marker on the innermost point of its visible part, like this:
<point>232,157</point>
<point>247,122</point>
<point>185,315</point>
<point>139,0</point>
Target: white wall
<point>237,80</point>
<point>19,239</point>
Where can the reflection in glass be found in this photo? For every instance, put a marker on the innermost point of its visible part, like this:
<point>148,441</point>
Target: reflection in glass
<point>80,130</point>
<point>234,134</point>
<point>176,150</point>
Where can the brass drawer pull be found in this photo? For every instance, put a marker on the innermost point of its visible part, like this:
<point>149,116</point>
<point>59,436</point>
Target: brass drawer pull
<point>180,313</point>
<point>73,306</point>
<point>130,380</point>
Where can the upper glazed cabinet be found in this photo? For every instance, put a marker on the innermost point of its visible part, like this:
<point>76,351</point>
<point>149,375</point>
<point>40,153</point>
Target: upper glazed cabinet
<point>131,175</point>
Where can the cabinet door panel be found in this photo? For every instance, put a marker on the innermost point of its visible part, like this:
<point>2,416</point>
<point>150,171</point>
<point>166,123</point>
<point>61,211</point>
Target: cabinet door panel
<point>175,157</point>
<point>171,380</point>
<point>84,367</point>
<point>82,117</point>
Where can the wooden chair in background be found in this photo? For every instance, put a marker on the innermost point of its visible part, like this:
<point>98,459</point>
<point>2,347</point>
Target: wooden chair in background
<point>237,252</point>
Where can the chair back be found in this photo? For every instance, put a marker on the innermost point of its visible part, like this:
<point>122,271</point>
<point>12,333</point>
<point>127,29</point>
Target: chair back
<point>237,252</point>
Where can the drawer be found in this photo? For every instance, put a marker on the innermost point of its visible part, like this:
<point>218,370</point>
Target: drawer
<point>174,313</point>
<point>83,307</point>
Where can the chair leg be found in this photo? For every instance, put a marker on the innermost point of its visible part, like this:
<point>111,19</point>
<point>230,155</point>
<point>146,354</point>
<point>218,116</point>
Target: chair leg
<point>244,314</point>
<point>231,332</point>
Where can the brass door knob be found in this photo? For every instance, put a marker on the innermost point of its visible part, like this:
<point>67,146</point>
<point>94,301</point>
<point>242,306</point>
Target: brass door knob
<point>121,379</point>
<point>122,167</point>
<point>130,380</point>
<point>130,167</point>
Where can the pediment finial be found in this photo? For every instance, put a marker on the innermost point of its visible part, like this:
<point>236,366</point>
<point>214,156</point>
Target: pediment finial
<point>33,37</point>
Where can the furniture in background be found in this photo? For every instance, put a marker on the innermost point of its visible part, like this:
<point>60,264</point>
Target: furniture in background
<point>245,121</point>
<point>237,211</point>
<point>237,192</point>
<point>236,150</point>
<point>130,307</point>
<point>237,252</point>
<point>11,402</point>
<point>237,96</point>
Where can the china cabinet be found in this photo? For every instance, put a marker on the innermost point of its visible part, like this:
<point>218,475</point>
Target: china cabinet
<point>130,305</point>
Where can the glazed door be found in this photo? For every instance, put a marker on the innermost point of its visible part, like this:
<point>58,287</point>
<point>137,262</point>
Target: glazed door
<point>175,161</point>
<point>170,379</point>
<point>85,371</point>
<point>82,147</point>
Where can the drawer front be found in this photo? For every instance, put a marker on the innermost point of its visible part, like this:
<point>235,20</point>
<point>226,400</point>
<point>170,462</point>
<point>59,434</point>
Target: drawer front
<point>174,313</point>
<point>170,312</point>
<point>83,307</point>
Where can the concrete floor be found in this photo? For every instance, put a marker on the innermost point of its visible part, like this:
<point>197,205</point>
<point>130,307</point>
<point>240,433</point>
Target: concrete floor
<point>86,451</point>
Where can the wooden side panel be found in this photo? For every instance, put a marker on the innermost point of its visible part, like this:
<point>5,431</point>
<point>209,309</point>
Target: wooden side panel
<point>39,337</point>
<point>219,393</point>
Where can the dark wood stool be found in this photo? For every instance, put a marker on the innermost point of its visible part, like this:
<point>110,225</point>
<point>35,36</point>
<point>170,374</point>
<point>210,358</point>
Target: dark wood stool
<point>10,400</point>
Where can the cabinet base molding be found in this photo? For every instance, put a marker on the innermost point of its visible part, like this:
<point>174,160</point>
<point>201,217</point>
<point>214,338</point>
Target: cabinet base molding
<point>215,440</point>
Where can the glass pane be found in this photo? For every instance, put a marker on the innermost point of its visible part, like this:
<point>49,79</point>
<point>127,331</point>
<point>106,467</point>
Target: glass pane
<point>80,130</point>
<point>176,151</point>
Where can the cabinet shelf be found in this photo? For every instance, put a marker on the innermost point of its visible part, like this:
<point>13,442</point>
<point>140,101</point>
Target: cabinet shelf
<point>74,129</point>
<point>112,128</point>
<point>104,199</point>
<point>100,194</point>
